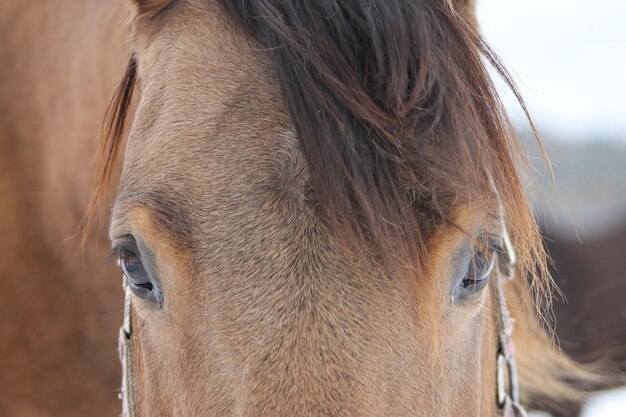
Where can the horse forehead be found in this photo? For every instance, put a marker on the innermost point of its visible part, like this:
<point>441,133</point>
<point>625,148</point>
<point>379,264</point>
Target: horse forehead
<point>184,137</point>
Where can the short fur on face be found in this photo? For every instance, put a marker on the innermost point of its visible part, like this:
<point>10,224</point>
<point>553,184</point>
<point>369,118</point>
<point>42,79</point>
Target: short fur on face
<point>306,259</point>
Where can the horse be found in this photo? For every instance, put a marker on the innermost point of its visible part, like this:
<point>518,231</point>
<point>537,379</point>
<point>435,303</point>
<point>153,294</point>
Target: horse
<point>315,213</point>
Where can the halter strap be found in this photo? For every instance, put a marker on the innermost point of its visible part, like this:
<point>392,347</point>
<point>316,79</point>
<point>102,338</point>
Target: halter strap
<point>507,382</point>
<point>126,340</point>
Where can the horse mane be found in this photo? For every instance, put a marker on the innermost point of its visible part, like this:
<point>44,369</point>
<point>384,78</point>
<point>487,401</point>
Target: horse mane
<point>398,120</point>
<point>395,113</point>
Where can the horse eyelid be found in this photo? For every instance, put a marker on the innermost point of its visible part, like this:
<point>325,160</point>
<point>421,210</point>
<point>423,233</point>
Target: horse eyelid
<point>124,243</point>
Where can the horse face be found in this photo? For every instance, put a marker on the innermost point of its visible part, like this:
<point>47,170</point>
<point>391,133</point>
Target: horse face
<point>245,300</point>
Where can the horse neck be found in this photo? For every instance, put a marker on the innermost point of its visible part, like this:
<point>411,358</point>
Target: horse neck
<point>65,60</point>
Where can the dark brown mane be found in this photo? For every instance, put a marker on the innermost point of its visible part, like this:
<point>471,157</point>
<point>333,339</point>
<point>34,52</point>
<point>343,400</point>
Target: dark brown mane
<point>394,111</point>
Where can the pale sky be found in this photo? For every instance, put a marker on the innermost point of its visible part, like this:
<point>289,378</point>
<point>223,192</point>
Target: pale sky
<point>569,60</point>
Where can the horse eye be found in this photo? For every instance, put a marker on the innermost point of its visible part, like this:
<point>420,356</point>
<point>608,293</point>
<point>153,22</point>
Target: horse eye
<point>135,273</point>
<point>480,268</point>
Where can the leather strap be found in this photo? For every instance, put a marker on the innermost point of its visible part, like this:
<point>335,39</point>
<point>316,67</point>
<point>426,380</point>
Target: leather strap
<point>507,379</point>
<point>126,341</point>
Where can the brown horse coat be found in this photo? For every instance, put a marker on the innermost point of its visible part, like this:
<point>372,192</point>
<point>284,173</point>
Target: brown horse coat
<point>60,311</point>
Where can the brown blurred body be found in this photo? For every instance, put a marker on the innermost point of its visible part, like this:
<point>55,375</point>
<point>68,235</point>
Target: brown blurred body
<point>59,311</point>
<point>591,324</point>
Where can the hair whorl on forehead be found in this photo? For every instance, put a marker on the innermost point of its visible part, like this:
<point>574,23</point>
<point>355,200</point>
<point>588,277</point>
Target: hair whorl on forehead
<point>395,113</point>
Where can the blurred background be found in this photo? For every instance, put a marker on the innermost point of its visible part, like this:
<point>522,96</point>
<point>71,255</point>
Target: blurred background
<point>569,61</point>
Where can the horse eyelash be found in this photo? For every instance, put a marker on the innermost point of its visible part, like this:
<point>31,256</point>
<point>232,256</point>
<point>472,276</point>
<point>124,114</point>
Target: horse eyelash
<point>125,244</point>
<point>114,254</point>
